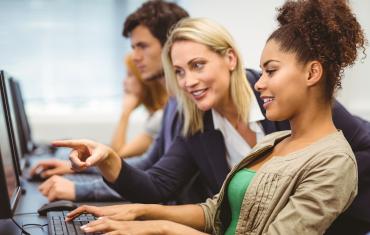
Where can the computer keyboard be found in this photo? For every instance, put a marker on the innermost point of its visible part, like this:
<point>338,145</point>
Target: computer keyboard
<point>58,226</point>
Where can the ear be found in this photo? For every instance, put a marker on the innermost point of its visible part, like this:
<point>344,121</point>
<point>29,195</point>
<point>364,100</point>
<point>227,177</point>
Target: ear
<point>231,59</point>
<point>314,73</point>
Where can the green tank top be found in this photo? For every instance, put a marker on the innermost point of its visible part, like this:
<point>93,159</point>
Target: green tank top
<point>235,192</point>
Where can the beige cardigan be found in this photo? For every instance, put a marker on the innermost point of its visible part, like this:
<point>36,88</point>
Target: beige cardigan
<point>301,193</point>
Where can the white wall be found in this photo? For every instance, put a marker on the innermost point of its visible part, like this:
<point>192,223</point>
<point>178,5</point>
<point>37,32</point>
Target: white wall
<point>250,22</point>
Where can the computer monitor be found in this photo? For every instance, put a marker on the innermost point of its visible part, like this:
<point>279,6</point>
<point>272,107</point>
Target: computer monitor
<point>9,178</point>
<point>27,144</point>
<point>16,128</point>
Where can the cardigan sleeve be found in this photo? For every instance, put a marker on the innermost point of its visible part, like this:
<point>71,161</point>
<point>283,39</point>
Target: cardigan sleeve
<point>326,190</point>
<point>357,132</point>
<point>209,209</point>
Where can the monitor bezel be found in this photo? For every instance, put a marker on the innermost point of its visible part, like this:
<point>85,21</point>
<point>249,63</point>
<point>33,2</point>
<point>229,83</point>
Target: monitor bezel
<point>11,203</point>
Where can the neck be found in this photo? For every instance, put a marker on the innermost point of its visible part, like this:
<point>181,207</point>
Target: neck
<point>313,123</point>
<point>229,111</point>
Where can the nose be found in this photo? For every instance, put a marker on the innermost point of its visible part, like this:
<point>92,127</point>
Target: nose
<point>136,55</point>
<point>190,80</point>
<point>187,81</point>
<point>260,85</point>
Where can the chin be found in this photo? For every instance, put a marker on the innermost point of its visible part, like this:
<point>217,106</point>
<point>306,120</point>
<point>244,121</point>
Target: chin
<point>203,107</point>
<point>274,117</point>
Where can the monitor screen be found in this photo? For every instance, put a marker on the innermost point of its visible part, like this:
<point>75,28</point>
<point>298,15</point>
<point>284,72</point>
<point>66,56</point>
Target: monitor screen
<point>15,125</point>
<point>27,145</point>
<point>9,180</point>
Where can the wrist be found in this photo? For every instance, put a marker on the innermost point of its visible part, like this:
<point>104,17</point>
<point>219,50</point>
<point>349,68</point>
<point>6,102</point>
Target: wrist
<point>147,212</point>
<point>110,167</point>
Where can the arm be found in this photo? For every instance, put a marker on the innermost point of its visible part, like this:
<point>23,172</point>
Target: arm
<point>357,133</point>
<point>141,143</point>
<point>161,181</point>
<point>188,215</point>
<point>130,102</point>
<point>325,191</point>
<point>138,146</point>
<point>96,190</point>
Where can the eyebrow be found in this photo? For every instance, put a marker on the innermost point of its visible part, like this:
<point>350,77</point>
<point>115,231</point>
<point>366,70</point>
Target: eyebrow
<point>190,62</point>
<point>267,62</point>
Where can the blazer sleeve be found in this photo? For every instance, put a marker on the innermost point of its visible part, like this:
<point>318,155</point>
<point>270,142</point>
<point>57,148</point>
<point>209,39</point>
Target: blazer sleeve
<point>357,133</point>
<point>160,182</point>
<point>322,194</point>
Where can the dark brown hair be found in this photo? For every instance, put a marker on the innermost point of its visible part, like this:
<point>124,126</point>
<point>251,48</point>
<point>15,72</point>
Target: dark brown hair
<point>159,16</point>
<point>323,30</point>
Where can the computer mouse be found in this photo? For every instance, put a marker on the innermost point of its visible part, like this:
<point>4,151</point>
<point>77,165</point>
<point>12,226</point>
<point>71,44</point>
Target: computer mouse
<point>36,177</point>
<point>61,205</point>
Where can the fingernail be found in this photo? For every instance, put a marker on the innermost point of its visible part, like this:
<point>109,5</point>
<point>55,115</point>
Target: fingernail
<point>99,218</point>
<point>83,227</point>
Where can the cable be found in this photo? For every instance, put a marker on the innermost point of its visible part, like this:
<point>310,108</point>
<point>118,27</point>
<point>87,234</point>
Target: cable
<point>26,213</point>
<point>23,231</point>
<point>39,225</point>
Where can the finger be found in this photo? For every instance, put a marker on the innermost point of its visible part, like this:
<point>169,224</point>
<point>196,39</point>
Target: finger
<point>45,186</point>
<point>96,158</point>
<point>52,194</point>
<point>82,209</point>
<point>76,162</point>
<point>40,166</point>
<point>100,225</point>
<point>69,143</point>
<point>112,233</point>
<point>35,169</point>
<point>54,171</point>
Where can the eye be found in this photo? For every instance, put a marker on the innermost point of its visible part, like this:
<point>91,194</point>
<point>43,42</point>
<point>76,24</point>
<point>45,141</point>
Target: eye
<point>270,72</point>
<point>197,65</point>
<point>180,73</point>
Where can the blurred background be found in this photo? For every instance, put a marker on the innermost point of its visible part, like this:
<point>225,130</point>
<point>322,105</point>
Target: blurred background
<point>68,56</point>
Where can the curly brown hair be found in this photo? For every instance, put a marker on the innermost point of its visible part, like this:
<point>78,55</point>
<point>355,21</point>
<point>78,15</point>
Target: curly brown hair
<point>323,30</point>
<point>159,16</point>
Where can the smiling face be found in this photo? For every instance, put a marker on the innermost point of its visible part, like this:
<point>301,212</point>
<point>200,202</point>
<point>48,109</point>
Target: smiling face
<point>282,85</point>
<point>203,74</point>
<point>146,52</point>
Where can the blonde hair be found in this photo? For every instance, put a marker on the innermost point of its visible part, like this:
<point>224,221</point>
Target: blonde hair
<point>154,93</point>
<point>218,40</point>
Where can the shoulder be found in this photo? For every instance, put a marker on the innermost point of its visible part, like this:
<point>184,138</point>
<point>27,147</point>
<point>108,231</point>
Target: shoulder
<point>252,75</point>
<point>270,139</point>
<point>333,152</point>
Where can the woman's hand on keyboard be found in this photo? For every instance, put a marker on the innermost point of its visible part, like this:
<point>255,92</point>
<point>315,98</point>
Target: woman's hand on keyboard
<point>87,153</point>
<point>109,226</point>
<point>116,212</point>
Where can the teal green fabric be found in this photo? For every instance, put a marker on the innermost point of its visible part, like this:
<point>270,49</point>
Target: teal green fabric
<point>235,192</point>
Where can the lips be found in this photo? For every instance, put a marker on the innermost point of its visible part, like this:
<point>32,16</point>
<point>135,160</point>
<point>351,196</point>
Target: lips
<point>198,94</point>
<point>267,100</point>
<point>140,67</point>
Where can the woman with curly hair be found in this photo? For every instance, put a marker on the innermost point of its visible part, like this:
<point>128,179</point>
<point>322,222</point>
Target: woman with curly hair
<point>293,182</point>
